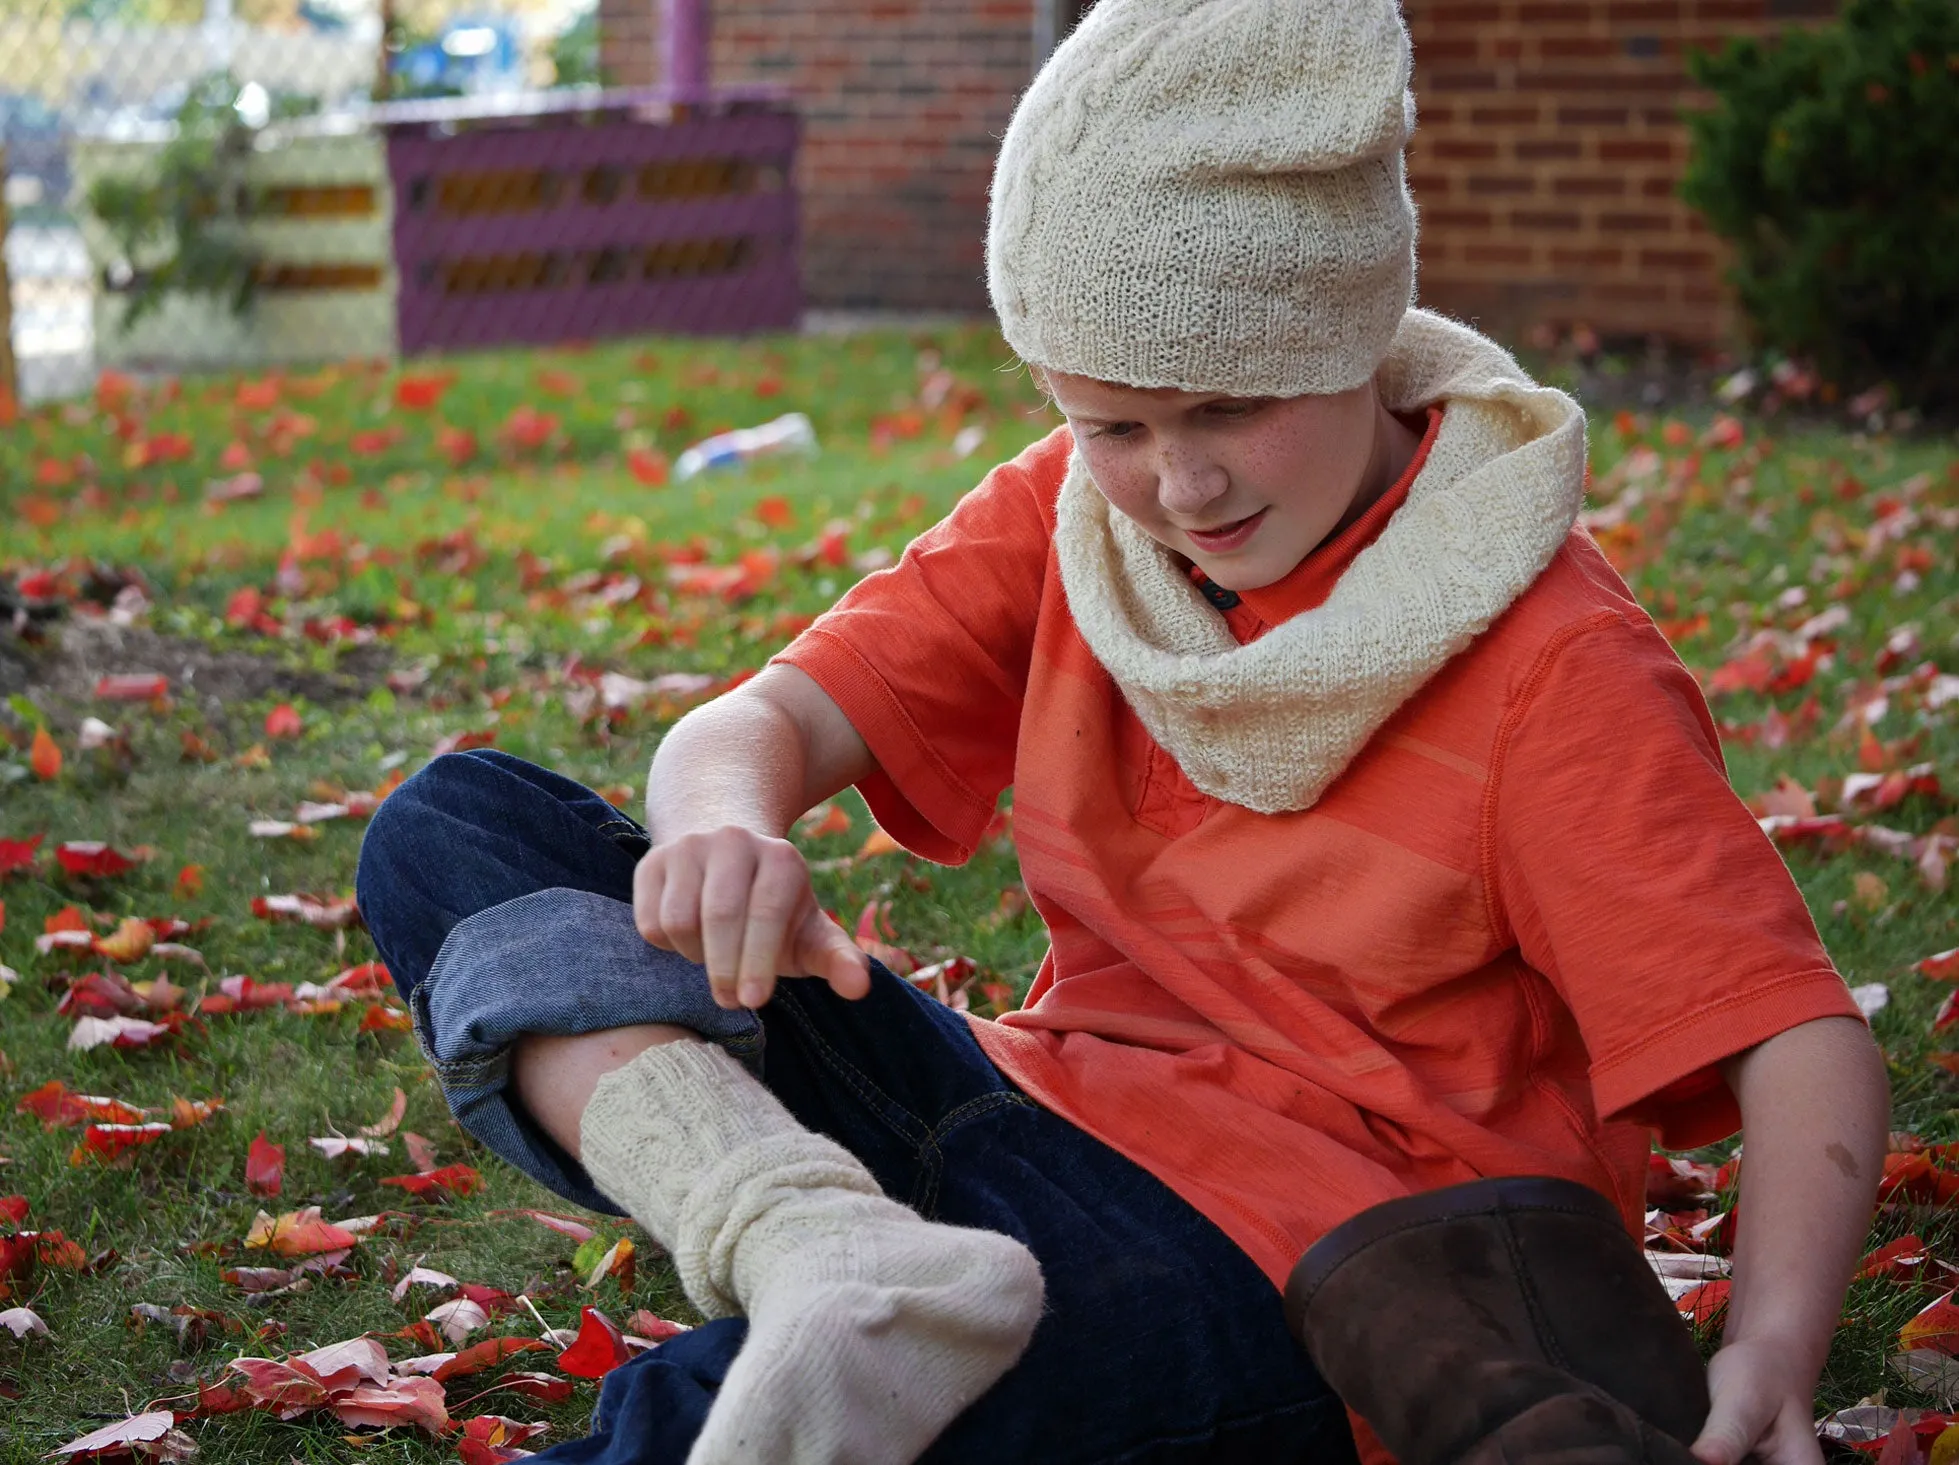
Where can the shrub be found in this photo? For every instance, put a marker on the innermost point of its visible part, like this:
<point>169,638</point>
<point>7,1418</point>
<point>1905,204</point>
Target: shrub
<point>1830,163</point>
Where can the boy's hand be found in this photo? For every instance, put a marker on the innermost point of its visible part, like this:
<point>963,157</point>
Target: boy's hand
<point>1762,1407</point>
<point>740,904</point>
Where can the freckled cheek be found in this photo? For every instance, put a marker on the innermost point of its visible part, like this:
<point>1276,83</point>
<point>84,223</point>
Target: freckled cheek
<point>1132,493</point>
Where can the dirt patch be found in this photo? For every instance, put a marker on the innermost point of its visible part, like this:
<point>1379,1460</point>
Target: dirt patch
<point>60,671</point>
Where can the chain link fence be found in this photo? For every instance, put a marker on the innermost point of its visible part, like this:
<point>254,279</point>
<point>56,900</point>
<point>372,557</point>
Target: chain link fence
<point>200,184</point>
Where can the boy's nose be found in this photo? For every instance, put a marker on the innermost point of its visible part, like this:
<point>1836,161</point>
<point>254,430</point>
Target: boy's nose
<point>1184,487</point>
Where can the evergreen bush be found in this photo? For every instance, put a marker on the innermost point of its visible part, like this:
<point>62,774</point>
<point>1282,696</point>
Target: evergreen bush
<point>1829,162</point>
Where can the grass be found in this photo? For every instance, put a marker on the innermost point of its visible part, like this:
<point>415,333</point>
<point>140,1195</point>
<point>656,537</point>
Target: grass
<point>424,571</point>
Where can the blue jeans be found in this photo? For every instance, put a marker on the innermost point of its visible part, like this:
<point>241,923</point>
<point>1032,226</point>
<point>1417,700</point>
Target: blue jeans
<point>499,895</point>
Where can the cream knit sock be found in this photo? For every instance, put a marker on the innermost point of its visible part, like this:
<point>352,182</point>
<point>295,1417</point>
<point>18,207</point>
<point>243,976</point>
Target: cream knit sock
<point>870,1328</point>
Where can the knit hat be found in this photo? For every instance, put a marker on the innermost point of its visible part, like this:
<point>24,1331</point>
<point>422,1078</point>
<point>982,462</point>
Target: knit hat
<point>1209,195</point>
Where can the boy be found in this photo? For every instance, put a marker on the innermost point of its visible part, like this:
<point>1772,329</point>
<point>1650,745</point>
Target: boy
<point>1396,893</point>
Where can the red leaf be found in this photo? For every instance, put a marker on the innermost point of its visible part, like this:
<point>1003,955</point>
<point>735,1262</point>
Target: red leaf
<point>131,688</point>
<point>546,1388</point>
<point>13,1208</point>
<point>265,1166</point>
<point>485,1355</point>
<point>1935,1327</point>
<point>490,1439</point>
<point>53,1105</point>
<point>110,1140</point>
<point>599,1348</point>
<point>422,393</point>
<point>1899,1261</point>
<point>456,1180</point>
<point>577,1230</point>
<point>647,467</point>
<point>645,1324</point>
<point>416,1401</point>
<point>18,854</point>
<point>91,859</point>
<point>1943,967</point>
<point>380,1018</point>
<point>283,721</point>
<point>1706,1303</point>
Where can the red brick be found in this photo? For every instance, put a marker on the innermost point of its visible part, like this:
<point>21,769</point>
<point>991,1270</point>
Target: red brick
<point>1597,257</point>
<point>1543,219</point>
<point>1589,185</point>
<point>1566,14</point>
<point>1676,259</point>
<point>1642,12</point>
<point>1583,47</point>
<point>1503,116</point>
<point>1489,183</point>
<point>1457,219</point>
<point>1431,184</point>
<point>1539,148</point>
<point>1636,150</point>
<point>1461,150</point>
<point>1456,49</point>
<point>1635,223</point>
<point>1592,116</point>
<point>1498,254</point>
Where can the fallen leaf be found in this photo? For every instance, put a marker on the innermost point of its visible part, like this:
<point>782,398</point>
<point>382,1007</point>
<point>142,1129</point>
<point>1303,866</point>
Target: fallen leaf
<point>45,756</point>
<point>598,1349</point>
<point>130,942</point>
<point>132,688</point>
<point>20,1321</point>
<point>297,1233</point>
<point>577,1230</point>
<point>458,1319</point>
<point>335,1146</point>
<point>18,854</point>
<point>457,1180</point>
<point>120,1032</point>
<point>152,1436</point>
<point>485,1355</point>
<point>265,1166</point>
<point>1935,1326</point>
<point>93,860</point>
<point>391,1121</point>
<point>416,1401</point>
<point>491,1439</point>
<point>1943,967</point>
<point>107,1141</point>
<point>421,1277</point>
<point>283,721</point>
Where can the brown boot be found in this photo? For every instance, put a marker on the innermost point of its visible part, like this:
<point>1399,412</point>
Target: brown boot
<point>1498,1323</point>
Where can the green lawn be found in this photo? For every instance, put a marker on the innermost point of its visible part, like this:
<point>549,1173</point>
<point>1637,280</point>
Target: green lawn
<point>425,559</point>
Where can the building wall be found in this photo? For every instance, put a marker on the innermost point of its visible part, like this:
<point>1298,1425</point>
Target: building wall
<point>1547,158</point>
<point>903,105</point>
<point>1545,163</point>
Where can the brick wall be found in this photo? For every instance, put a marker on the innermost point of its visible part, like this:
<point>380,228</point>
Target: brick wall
<point>1547,156</point>
<point>903,105</point>
<point>1545,162</point>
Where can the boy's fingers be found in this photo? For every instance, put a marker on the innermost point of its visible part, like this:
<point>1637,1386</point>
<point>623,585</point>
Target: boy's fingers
<point>680,908</point>
<point>724,912</point>
<point>781,886</point>
<point>649,883</point>
<point>825,950</point>
<point>1737,1419</point>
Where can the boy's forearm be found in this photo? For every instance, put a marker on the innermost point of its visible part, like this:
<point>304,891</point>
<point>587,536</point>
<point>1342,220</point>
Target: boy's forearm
<point>1815,1110</point>
<point>755,758</point>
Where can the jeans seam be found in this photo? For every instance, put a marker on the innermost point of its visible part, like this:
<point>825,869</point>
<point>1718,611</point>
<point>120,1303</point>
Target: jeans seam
<point>882,1104</point>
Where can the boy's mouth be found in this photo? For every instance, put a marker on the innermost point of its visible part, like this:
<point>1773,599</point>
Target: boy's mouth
<point>1226,537</point>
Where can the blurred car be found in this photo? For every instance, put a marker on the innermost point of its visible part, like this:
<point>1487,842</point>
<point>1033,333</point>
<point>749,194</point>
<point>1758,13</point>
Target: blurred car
<point>36,140</point>
<point>469,56</point>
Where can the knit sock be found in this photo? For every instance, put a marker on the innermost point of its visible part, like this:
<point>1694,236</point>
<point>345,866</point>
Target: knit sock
<point>870,1328</point>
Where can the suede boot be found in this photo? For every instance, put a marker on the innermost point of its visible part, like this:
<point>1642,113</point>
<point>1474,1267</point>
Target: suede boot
<point>1502,1322</point>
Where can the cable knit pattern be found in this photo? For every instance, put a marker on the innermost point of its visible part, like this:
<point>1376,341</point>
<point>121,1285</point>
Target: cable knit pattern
<point>1209,194</point>
<point>870,1328</point>
<point>1270,725</point>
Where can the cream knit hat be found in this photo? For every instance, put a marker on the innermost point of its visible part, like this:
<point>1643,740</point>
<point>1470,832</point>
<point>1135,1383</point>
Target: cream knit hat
<point>1208,194</point>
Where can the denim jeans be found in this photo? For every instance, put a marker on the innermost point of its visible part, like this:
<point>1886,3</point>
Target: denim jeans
<point>499,895</point>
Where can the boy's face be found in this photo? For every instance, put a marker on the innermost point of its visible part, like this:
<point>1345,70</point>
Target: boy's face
<point>1243,487</point>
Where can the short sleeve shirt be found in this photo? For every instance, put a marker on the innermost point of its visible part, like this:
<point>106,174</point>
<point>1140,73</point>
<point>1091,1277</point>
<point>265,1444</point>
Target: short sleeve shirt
<point>1516,936</point>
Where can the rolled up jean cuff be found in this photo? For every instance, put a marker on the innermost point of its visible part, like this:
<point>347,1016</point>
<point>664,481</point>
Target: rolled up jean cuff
<point>560,962</point>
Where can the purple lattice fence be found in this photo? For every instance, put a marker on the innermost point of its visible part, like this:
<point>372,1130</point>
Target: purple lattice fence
<point>623,214</point>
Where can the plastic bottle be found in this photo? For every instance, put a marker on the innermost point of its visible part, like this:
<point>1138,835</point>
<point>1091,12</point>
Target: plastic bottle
<point>791,433</point>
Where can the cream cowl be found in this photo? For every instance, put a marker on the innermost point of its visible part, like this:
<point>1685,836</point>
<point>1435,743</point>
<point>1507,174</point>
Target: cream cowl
<point>1270,725</point>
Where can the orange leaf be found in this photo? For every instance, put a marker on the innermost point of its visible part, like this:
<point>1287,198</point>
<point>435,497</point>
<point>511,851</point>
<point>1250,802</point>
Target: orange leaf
<point>265,1166</point>
<point>129,942</point>
<point>109,1140</point>
<point>1706,1303</point>
<point>491,1439</point>
<point>45,759</point>
<point>1936,1326</point>
<point>487,1354</point>
<point>298,1233</point>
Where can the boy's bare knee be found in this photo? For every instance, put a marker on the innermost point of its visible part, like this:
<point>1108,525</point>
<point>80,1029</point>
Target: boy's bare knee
<point>554,1075</point>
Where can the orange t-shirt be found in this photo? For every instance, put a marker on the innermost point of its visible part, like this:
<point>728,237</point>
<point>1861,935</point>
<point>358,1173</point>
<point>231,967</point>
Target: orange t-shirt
<point>1512,938</point>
